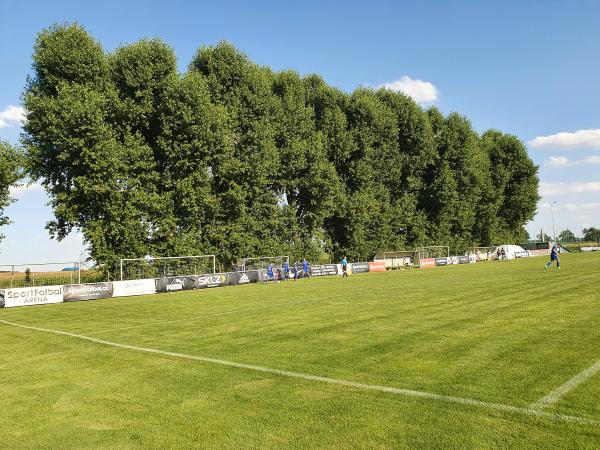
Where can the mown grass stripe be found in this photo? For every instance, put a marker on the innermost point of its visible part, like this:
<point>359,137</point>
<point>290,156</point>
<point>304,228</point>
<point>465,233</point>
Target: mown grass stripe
<point>567,387</point>
<point>372,387</point>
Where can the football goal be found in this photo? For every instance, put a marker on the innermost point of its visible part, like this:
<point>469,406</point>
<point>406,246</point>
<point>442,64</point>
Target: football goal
<point>482,253</point>
<point>433,251</point>
<point>261,262</point>
<point>166,266</point>
<point>398,258</point>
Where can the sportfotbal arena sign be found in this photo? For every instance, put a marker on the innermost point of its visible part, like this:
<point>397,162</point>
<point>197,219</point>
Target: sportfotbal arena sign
<point>31,296</point>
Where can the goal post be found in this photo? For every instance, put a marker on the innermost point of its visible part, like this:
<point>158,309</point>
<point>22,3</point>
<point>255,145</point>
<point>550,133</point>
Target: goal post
<point>410,257</point>
<point>261,262</point>
<point>482,253</point>
<point>433,251</point>
<point>166,266</point>
<point>397,258</point>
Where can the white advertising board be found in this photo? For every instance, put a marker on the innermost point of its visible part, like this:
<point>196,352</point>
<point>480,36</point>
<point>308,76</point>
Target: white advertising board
<point>134,287</point>
<point>31,296</point>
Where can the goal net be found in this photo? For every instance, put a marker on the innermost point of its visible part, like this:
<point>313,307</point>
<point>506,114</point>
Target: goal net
<point>398,258</point>
<point>482,253</point>
<point>261,262</point>
<point>433,251</point>
<point>166,266</point>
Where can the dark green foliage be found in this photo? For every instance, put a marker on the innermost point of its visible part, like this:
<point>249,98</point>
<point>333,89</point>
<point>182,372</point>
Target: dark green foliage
<point>567,236</point>
<point>543,237</point>
<point>11,172</point>
<point>591,234</point>
<point>234,159</point>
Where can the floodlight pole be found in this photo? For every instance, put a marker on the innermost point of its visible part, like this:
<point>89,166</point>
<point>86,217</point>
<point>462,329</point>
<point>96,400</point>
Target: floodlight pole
<point>552,214</point>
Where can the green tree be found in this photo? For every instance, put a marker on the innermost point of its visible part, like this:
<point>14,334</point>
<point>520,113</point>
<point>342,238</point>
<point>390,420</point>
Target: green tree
<point>566,236</point>
<point>253,218</point>
<point>591,234</point>
<point>456,190</point>
<point>513,189</point>
<point>11,173</point>
<point>235,159</point>
<point>543,237</point>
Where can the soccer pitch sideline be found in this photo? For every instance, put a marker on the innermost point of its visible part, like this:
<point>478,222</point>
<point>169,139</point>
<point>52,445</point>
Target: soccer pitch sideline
<point>471,356</point>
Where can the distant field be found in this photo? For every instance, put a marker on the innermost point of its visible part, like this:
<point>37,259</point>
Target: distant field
<point>21,275</point>
<point>19,279</point>
<point>488,355</point>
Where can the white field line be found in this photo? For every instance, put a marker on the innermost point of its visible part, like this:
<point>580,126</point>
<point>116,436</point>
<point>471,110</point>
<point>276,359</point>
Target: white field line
<point>571,384</point>
<point>224,313</point>
<point>335,381</point>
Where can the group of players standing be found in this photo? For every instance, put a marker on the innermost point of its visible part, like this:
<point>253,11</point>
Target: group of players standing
<point>286,272</point>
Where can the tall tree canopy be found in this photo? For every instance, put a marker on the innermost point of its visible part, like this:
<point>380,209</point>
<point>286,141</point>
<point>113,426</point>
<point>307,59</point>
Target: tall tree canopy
<point>235,159</point>
<point>11,172</point>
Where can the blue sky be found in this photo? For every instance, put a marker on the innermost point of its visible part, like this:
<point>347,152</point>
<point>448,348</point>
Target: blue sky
<point>526,68</point>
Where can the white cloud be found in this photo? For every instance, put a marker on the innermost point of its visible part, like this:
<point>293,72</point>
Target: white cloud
<point>589,139</point>
<point>563,161</point>
<point>17,191</point>
<point>11,115</point>
<point>558,161</point>
<point>568,188</point>
<point>420,91</point>
<point>570,206</point>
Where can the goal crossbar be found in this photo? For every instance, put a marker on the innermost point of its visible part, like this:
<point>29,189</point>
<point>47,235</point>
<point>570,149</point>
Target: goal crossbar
<point>151,259</point>
<point>280,258</point>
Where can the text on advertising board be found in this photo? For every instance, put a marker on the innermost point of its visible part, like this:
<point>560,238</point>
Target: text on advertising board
<point>32,296</point>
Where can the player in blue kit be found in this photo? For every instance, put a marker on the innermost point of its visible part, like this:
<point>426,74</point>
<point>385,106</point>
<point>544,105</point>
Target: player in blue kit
<point>286,270</point>
<point>270,274</point>
<point>305,268</point>
<point>553,257</point>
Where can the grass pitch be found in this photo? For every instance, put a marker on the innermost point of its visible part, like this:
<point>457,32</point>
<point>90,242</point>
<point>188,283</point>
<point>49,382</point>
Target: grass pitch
<point>474,356</point>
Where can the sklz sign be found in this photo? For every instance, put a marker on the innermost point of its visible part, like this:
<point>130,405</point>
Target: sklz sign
<point>208,281</point>
<point>31,296</point>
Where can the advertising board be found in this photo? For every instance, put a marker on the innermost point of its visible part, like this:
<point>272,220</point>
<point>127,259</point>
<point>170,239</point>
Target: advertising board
<point>441,261</point>
<point>134,287</point>
<point>324,269</point>
<point>427,263</point>
<point>236,278</point>
<point>174,284</point>
<point>31,296</point>
<point>359,267</point>
<point>92,291</point>
<point>377,266</point>
<point>254,275</point>
<point>210,280</point>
